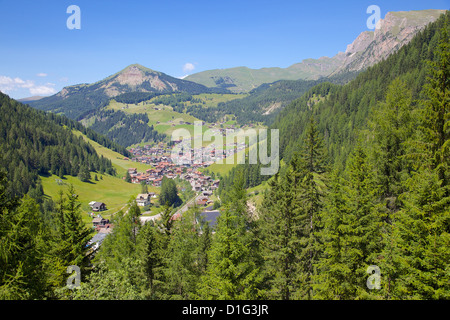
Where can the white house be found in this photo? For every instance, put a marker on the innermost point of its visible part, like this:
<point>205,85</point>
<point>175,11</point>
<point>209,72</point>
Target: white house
<point>143,199</point>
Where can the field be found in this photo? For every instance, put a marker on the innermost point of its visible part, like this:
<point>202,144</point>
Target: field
<point>164,119</point>
<point>114,192</point>
<point>117,159</point>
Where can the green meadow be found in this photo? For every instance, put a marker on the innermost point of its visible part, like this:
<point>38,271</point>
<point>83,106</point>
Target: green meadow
<point>119,163</point>
<point>113,191</point>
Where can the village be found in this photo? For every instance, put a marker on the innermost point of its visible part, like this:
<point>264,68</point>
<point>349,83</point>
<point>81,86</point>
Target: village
<point>159,157</point>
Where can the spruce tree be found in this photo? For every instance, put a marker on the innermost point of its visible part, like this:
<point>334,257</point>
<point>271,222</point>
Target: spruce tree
<point>393,124</point>
<point>280,235</point>
<point>312,167</point>
<point>75,231</point>
<point>182,272</point>
<point>149,256</point>
<point>425,219</point>
<point>351,231</point>
<point>232,273</point>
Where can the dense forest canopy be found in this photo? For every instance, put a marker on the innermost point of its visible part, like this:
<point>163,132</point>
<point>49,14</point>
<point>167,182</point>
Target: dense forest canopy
<point>36,143</point>
<point>125,129</point>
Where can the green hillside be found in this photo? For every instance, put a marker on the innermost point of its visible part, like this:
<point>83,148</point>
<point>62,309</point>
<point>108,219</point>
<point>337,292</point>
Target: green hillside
<point>117,160</point>
<point>243,79</point>
<point>113,191</point>
<point>37,143</point>
<point>344,110</point>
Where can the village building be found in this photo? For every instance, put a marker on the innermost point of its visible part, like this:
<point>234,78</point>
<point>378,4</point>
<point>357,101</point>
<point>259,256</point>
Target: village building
<point>143,199</point>
<point>98,206</point>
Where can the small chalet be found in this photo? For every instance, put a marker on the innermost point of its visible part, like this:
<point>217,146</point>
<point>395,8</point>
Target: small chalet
<point>99,222</point>
<point>98,206</point>
<point>143,199</point>
<point>202,201</point>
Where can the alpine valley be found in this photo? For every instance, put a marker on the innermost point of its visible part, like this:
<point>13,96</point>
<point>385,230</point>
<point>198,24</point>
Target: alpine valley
<point>87,179</point>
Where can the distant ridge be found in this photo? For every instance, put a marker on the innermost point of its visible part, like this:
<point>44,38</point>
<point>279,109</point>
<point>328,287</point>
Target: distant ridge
<point>76,100</point>
<point>370,47</point>
<point>33,98</point>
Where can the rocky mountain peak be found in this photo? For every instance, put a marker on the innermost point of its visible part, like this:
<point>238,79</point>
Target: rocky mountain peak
<point>391,33</point>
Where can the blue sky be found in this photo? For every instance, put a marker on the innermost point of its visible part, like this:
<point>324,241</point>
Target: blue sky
<point>40,55</point>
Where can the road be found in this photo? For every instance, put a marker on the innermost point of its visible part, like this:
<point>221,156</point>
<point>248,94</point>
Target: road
<point>144,219</point>
<point>186,206</point>
<point>157,216</point>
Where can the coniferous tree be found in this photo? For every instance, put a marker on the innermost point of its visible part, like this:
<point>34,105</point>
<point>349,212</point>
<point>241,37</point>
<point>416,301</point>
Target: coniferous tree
<point>392,128</point>
<point>166,219</point>
<point>149,255</point>
<point>169,193</point>
<point>425,219</point>
<point>128,177</point>
<point>351,231</point>
<point>312,167</point>
<point>23,273</point>
<point>280,235</point>
<point>76,233</point>
<point>182,273</point>
<point>231,273</point>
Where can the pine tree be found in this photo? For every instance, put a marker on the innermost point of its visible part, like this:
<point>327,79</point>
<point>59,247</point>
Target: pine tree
<point>392,128</point>
<point>149,255</point>
<point>231,273</point>
<point>437,108</point>
<point>392,154</point>
<point>280,235</point>
<point>166,219</point>
<point>312,167</point>
<point>425,219</point>
<point>351,231</point>
<point>75,231</point>
<point>425,237</point>
<point>182,274</point>
<point>84,174</point>
<point>331,280</point>
<point>144,187</point>
<point>133,217</point>
<point>203,247</point>
<point>23,274</point>
<point>169,193</point>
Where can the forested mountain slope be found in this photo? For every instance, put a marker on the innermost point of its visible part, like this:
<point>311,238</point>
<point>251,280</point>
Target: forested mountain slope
<point>37,143</point>
<point>341,112</point>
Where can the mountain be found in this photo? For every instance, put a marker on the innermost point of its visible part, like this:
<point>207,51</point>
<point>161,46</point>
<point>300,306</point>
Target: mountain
<point>265,102</point>
<point>243,79</point>
<point>76,100</point>
<point>370,47</point>
<point>393,32</point>
<point>342,111</point>
<point>33,98</point>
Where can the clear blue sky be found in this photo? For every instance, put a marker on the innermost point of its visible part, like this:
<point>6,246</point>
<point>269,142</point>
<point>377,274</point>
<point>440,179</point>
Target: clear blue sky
<point>40,55</point>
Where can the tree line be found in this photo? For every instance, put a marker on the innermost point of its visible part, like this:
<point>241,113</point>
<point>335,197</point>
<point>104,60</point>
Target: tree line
<point>37,143</point>
<point>125,129</point>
